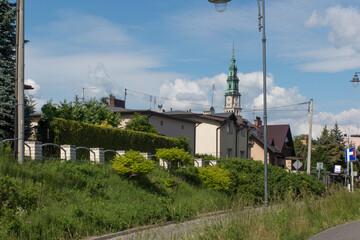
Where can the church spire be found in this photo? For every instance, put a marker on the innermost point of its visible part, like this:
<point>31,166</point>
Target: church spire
<point>232,94</point>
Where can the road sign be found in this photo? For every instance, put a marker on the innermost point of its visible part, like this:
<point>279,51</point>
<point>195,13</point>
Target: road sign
<point>319,166</point>
<point>297,164</point>
<point>337,169</point>
<point>345,170</point>
<point>350,154</point>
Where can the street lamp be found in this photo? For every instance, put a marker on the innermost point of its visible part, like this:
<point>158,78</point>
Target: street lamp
<point>355,81</point>
<point>220,5</point>
<point>261,18</point>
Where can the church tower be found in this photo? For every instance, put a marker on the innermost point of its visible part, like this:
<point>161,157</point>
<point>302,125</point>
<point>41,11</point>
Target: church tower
<point>232,94</point>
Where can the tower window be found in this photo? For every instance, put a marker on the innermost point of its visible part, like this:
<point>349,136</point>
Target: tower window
<point>229,85</point>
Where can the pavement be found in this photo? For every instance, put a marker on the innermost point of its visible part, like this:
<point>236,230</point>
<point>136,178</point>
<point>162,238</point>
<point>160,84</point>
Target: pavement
<point>169,230</point>
<point>348,231</point>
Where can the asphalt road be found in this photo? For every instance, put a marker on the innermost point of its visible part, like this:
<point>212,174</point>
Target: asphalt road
<point>348,231</point>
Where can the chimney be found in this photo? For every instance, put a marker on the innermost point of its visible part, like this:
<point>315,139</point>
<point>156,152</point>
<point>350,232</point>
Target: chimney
<point>257,122</point>
<point>117,103</point>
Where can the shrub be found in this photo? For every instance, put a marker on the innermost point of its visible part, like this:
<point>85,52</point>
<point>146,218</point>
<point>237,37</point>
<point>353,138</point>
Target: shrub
<point>132,164</point>
<point>247,179</point>
<point>206,156</point>
<point>88,135</point>
<point>215,177</point>
<point>174,155</point>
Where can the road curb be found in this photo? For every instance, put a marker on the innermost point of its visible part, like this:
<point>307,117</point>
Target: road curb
<point>149,227</point>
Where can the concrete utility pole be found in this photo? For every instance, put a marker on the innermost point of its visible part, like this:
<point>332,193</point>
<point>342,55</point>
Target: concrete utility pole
<point>20,35</point>
<point>310,137</point>
<point>16,85</point>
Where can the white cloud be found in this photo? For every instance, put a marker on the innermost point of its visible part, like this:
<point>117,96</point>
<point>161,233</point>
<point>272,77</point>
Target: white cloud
<point>35,94</point>
<point>344,54</point>
<point>197,94</point>
<point>93,53</point>
<point>343,23</point>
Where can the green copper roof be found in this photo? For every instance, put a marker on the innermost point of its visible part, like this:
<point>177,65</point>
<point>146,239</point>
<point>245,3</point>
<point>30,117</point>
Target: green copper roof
<point>233,80</point>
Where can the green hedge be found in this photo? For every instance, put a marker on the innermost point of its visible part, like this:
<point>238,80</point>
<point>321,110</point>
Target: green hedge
<point>89,135</point>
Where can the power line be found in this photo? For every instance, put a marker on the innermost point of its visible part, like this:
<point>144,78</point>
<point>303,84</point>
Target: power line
<point>208,105</point>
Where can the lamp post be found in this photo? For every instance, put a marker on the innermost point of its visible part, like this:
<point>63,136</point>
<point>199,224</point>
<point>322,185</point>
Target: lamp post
<point>220,6</point>
<point>355,81</point>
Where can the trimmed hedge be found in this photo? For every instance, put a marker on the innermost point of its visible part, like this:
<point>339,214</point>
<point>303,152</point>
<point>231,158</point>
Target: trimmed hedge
<point>89,135</point>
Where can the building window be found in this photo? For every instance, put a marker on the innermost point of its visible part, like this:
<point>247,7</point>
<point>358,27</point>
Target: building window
<point>229,153</point>
<point>228,127</point>
<point>161,123</point>
<point>182,126</point>
<point>242,154</point>
<point>242,132</point>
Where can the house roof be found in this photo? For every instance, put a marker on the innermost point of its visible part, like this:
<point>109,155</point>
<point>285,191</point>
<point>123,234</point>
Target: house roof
<point>276,134</point>
<point>149,112</point>
<point>219,117</point>
<point>258,135</point>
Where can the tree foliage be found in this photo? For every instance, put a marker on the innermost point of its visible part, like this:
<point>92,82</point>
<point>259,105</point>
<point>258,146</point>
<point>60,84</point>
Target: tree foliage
<point>185,143</point>
<point>329,149</point>
<point>300,147</point>
<point>140,123</point>
<point>91,111</point>
<point>7,73</point>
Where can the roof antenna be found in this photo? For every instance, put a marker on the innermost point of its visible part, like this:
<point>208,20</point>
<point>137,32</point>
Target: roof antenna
<point>212,95</point>
<point>233,49</point>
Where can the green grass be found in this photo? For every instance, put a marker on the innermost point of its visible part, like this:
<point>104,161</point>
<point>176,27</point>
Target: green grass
<point>74,200</point>
<point>289,219</point>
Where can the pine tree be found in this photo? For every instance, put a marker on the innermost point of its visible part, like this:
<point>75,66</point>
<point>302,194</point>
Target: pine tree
<point>7,73</point>
<point>7,68</point>
<point>337,134</point>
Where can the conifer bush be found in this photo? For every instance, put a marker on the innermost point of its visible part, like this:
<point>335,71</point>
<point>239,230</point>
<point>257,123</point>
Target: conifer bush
<point>215,177</point>
<point>132,164</point>
<point>178,157</point>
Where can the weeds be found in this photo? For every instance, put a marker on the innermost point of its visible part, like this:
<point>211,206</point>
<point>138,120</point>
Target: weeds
<point>289,220</point>
<point>70,200</point>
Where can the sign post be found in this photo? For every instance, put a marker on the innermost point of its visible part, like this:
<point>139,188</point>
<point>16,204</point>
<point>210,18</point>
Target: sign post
<point>297,165</point>
<point>319,166</point>
<point>337,169</point>
<point>350,156</point>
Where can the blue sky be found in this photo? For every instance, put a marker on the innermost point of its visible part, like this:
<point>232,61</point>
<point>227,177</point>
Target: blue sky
<point>178,49</point>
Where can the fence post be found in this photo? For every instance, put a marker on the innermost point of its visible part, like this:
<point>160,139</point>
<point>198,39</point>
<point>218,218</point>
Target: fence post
<point>98,157</point>
<point>199,162</point>
<point>146,155</point>
<point>120,152</point>
<point>69,154</point>
<point>213,162</point>
<point>165,164</point>
<point>33,150</point>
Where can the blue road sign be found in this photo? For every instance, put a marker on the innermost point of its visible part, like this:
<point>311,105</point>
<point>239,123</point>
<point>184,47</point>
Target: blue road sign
<point>350,154</point>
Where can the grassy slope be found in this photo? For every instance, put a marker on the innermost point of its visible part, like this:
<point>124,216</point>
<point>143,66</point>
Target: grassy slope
<point>74,200</point>
<point>292,220</point>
